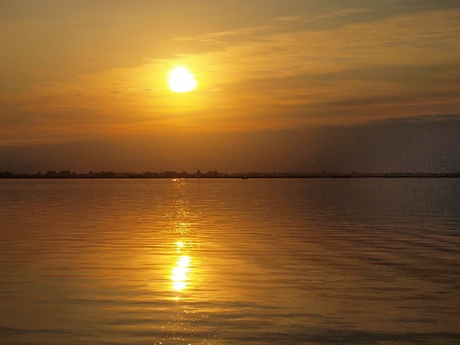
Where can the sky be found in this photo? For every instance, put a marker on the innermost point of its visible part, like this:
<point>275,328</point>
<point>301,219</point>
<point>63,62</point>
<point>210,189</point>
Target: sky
<point>282,86</point>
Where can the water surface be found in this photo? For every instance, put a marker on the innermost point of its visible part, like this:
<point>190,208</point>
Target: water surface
<point>230,261</point>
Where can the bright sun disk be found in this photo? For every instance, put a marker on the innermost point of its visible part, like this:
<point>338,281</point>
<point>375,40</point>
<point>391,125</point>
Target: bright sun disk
<point>181,80</point>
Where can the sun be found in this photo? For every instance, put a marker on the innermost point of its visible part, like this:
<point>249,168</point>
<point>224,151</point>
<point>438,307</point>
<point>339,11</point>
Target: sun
<point>181,80</point>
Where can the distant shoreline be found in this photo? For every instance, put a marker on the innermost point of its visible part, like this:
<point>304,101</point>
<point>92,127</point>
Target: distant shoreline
<point>215,174</point>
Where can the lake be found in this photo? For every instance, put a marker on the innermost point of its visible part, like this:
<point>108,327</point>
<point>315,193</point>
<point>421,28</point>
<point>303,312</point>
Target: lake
<point>230,261</point>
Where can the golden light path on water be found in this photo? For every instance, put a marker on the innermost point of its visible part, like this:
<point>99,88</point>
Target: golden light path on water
<point>180,274</point>
<point>180,271</point>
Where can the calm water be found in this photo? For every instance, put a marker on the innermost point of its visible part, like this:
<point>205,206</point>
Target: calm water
<point>275,261</point>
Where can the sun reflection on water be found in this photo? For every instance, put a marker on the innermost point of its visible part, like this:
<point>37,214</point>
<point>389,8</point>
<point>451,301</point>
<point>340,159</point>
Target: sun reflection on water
<point>180,272</point>
<point>182,227</point>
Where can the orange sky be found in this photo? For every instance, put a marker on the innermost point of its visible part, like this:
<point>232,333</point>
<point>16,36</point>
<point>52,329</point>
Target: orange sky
<point>96,72</point>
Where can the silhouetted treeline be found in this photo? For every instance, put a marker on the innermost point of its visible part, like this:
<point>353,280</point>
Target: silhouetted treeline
<point>216,174</point>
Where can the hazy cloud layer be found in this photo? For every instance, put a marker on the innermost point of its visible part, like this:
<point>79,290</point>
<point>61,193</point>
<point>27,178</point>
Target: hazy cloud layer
<point>420,144</point>
<point>96,71</point>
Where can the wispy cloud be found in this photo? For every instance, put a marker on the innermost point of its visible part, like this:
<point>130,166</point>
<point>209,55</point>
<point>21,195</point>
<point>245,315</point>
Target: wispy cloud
<point>412,54</point>
<point>283,74</point>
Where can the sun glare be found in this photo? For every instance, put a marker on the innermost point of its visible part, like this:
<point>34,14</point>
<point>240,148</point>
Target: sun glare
<point>180,273</point>
<point>181,80</point>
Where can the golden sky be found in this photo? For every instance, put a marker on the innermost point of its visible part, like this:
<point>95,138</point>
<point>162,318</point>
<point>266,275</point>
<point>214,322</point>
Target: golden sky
<point>96,71</point>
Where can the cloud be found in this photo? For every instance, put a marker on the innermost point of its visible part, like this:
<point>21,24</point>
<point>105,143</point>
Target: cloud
<point>288,19</point>
<point>282,74</point>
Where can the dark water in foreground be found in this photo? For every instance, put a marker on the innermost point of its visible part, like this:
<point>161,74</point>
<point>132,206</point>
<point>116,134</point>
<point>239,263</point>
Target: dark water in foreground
<point>280,261</point>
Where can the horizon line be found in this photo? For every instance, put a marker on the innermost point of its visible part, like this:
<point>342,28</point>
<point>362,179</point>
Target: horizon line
<point>216,174</point>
